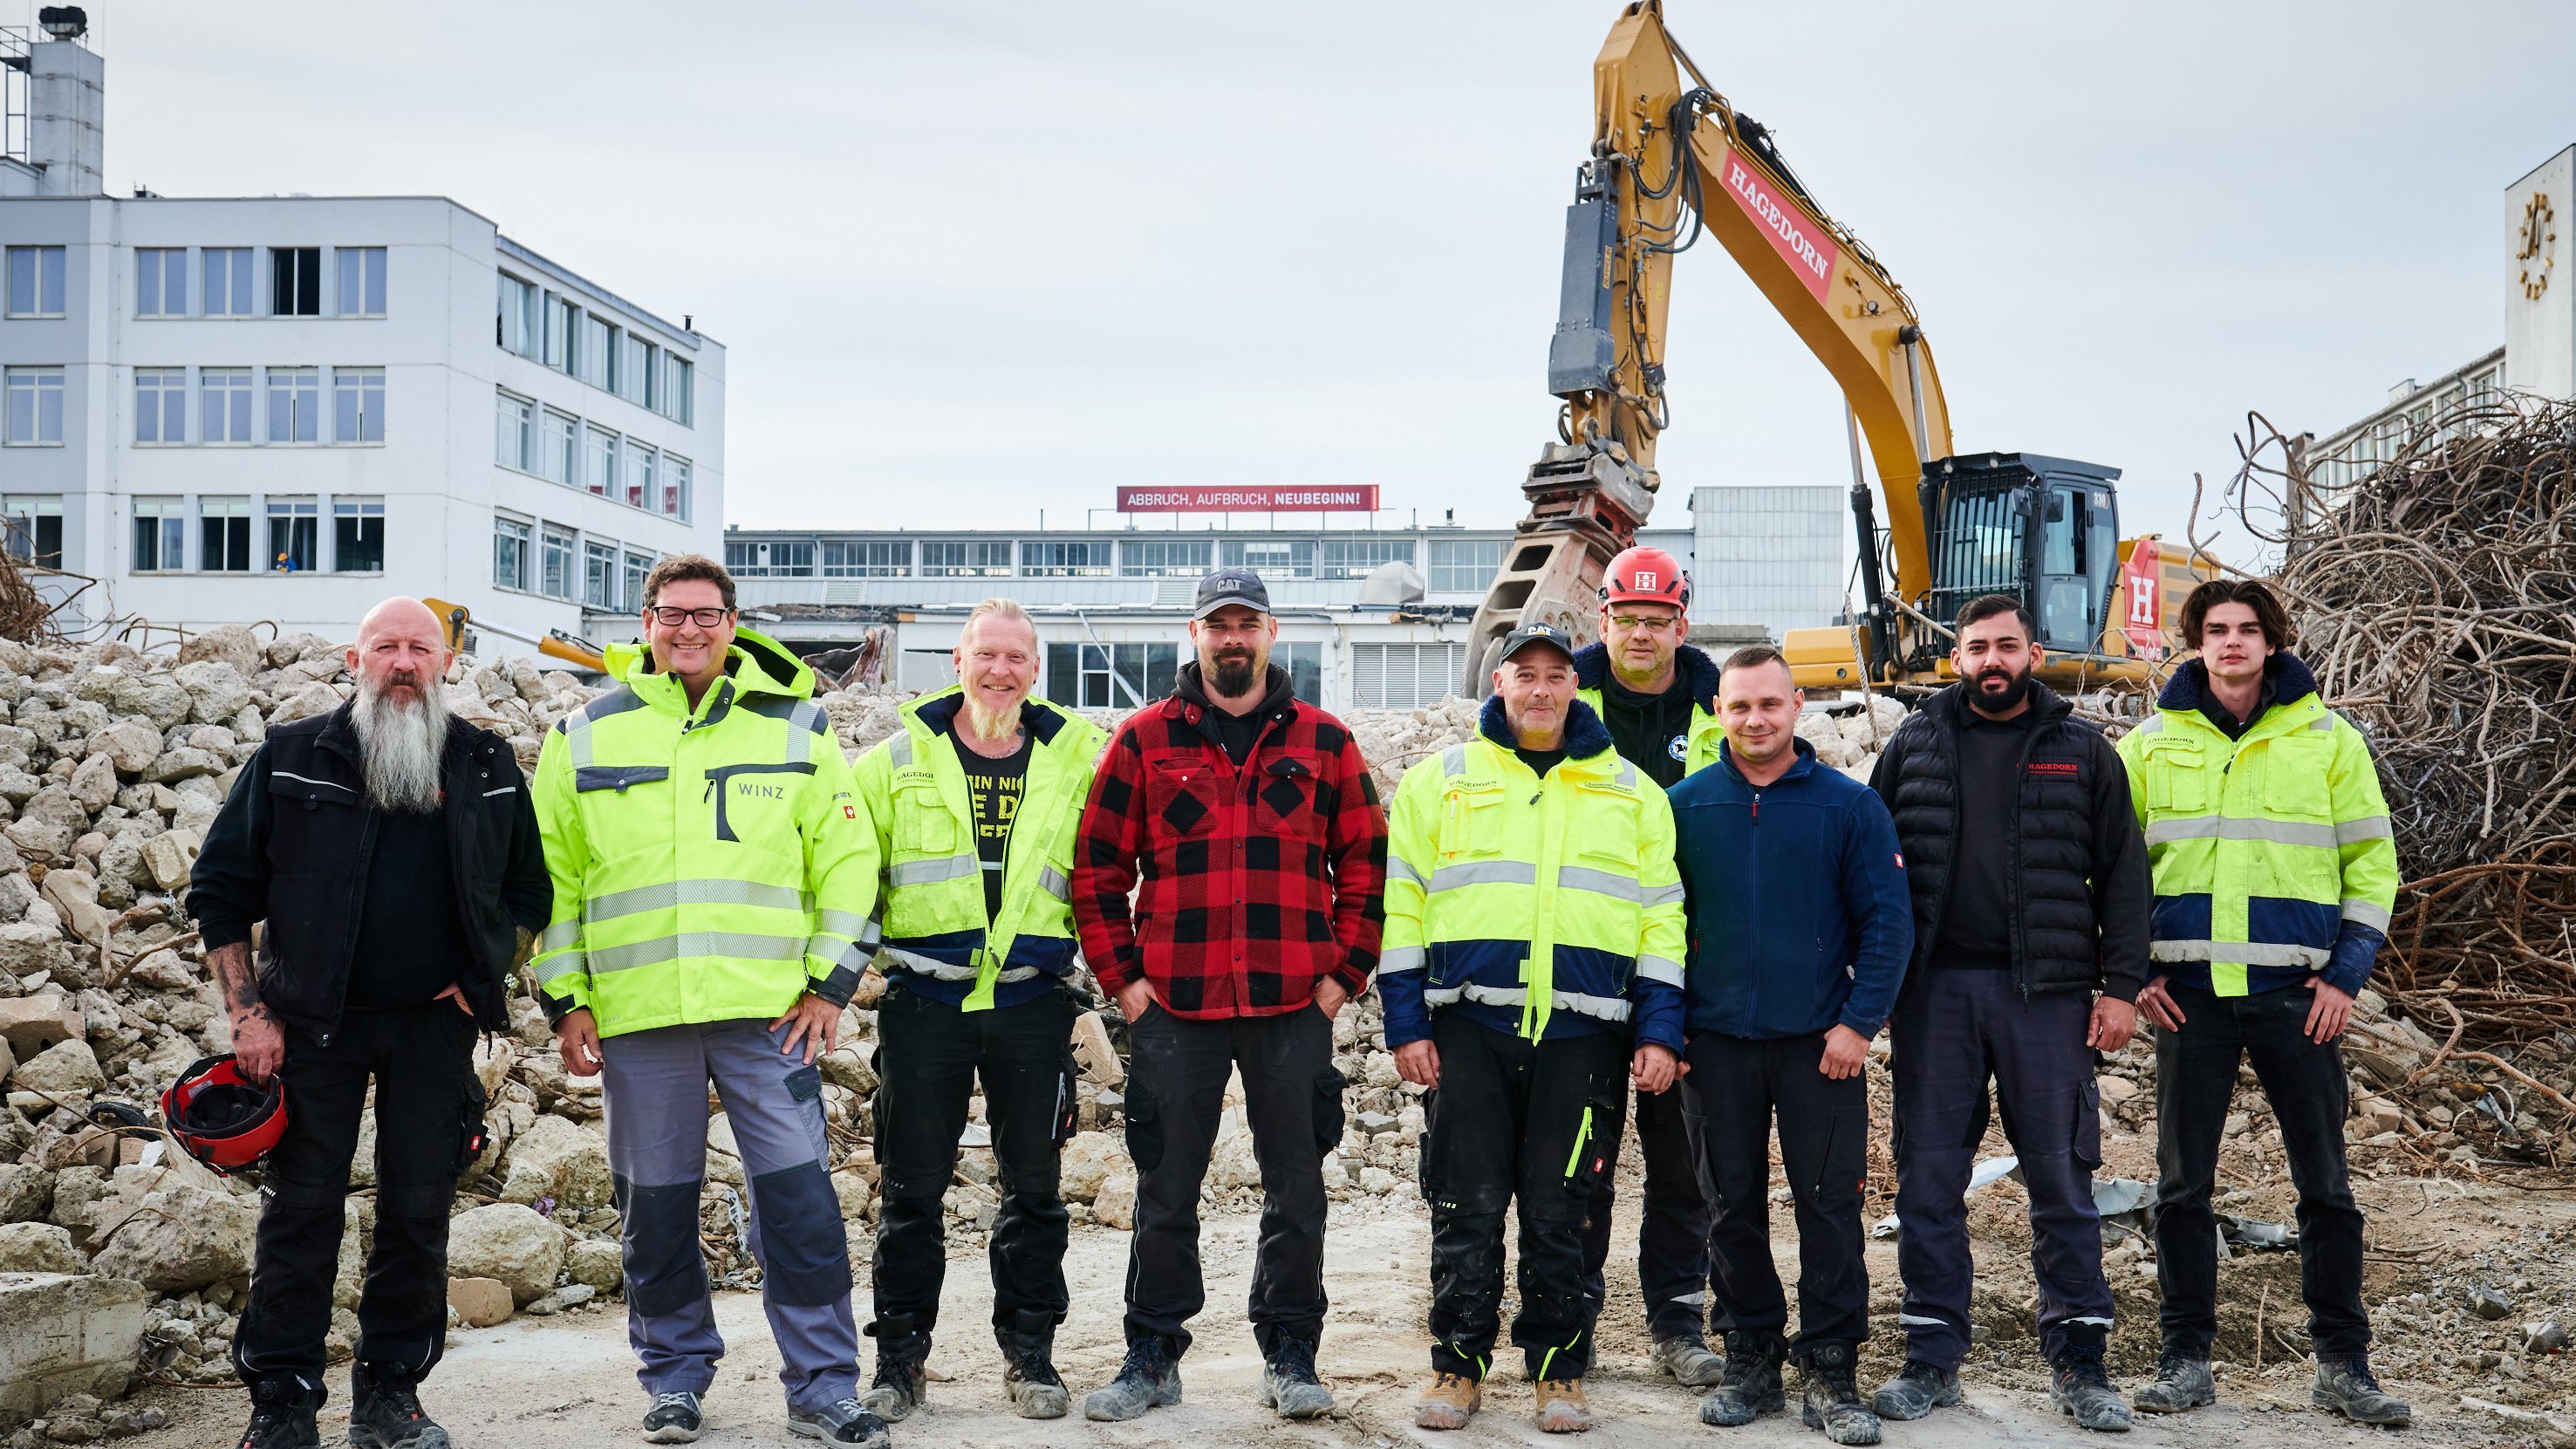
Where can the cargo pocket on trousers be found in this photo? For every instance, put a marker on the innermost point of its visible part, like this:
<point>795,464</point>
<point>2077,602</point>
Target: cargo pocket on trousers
<point>2088,1126</point>
<point>1329,1117</point>
<point>1144,1132</point>
<point>1068,1099</point>
<point>1596,1141</point>
<point>471,1135</point>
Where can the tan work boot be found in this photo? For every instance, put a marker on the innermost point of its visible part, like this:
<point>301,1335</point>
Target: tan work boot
<point>1561,1407</point>
<point>1450,1401</point>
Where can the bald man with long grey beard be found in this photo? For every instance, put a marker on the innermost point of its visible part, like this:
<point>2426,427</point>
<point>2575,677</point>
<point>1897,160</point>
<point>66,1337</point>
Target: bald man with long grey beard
<point>393,852</point>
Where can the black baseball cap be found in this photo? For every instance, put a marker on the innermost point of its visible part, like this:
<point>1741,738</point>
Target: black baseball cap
<point>1528,634</point>
<point>1228,587</point>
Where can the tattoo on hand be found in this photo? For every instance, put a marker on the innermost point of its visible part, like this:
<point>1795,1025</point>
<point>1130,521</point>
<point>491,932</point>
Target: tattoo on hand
<point>240,984</point>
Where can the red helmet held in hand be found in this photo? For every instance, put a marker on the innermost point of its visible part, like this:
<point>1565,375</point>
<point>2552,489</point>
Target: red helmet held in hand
<point>219,1118</point>
<point>1644,575</point>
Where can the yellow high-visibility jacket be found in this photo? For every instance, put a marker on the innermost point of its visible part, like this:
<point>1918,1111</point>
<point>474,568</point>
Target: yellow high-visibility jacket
<point>709,864</point>
<point>933,898</point>
<point>2272,853</point>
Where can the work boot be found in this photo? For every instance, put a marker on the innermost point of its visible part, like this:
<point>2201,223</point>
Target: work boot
<point>1749,1384</point>
<point>845,1421</point>
<point>2078,1386</point>
<point>1149,1379</point>
<point>1831,1401</point>
<point>281,1417</point>
<point>902,1383</point>
<point>1036,1390</point>
<point>1917,1390</point>
<point>1288,1381</point>
<point>385,1413</point>
<point>1686,1357</point>
<point>2344,1386</point>
<point>2181,1382</point>
<point>1449,1403</point>
<point>1562,1408</point>
<point>673,1419</point>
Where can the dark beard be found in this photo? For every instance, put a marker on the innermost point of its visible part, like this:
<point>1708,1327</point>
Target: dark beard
<point>2016,689</point>
<point>1232,677</point>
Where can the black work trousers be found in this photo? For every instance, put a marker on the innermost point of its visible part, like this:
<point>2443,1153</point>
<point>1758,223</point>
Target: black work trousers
<point>2195,1083</point>
<point>1535,1123</point>
<point>1672,1237</point>
<point>421,1061</point>
<point>1292,1101</point>
<point>929,1056</point>
<point>1742,1085</point>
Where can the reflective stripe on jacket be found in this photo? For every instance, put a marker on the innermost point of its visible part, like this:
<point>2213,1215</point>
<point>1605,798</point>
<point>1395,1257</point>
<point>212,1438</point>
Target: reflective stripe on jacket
<point>2272,850</point>
<point>932,905</point>
<point>1592,665</point>
<point>709,864</point>
<point>1553,903</point>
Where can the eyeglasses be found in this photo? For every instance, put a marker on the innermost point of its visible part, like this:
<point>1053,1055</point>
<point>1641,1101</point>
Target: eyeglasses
<point>671,618</point>
<point>1630,623</point>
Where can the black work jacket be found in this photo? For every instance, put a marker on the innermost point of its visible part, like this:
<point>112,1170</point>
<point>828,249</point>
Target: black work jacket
<point>292,847</point>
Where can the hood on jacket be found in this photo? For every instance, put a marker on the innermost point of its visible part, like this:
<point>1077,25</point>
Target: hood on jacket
<point>938,713</point>
<point>2289,676</point>
<point>756,664</point>
<point>1691,665</point>
<point>1949,708</point>
<point>1585,735</point>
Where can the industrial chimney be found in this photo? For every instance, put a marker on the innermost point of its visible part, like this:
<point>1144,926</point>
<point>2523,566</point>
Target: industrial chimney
<point>66,105</point>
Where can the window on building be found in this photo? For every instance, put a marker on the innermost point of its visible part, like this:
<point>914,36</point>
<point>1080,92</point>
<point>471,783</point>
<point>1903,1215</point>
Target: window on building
<point>362,281</point>
<point>295,281</point>
<point>1305,666</point>
<point>639,474</point>
<point>35,522</point>
<point>514,436</point>
<point>966,559</point>
<point>357,404</point>
<point>1273,558</point>
<point>1109,676</point>
<point>1404,676</point>
<point>592,357</point>
<point>227,281</point>
<point>1464,565</point>
<point>637,566</point>
<point>1356,558</point>
<point>675,487</point>
<point>868,559</point>
<point>635,370</point>
<point>561,317</point>
<point>161,282</point>
<point>294,405</point>
<point>1164,558</point>
<point>358,535</point>
<point>783,560</point>
<point>556,560</point>
<point>679,384</point>
<point>510,541</point>
<point>160,404</point>
<point>518,327</point>
<point>223,535</point>
<point>560,448</point>
<point>599,461</point>
<point>599,574</point>
<point>294,535</point>
<point>33,407</point>
<point>223,404</point>
<point>160,535</point>
<point>35,281</point>
<point>1077,558</point>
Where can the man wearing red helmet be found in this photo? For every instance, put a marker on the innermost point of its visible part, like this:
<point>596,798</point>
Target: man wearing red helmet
<point>1657,695</point>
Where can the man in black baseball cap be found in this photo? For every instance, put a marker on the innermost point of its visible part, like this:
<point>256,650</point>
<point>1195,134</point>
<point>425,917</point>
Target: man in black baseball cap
<point>1231,588</point>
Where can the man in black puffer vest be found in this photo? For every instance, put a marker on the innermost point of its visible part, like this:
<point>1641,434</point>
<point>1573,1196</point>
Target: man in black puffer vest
<point>2031,895</point>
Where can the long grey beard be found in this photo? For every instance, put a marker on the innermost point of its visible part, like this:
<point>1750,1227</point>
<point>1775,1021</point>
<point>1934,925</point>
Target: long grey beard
<point>403,745</point>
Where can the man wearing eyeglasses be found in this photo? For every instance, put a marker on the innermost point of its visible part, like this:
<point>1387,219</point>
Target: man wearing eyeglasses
<point>714,874</point>
<point>1658,698</point>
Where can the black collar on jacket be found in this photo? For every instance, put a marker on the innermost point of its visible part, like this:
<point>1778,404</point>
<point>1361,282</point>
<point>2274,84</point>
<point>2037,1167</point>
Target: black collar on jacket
<point>1585,735</point>
<point>2289,676</point>
<point>1691,666</point>
<point>1040,721</point>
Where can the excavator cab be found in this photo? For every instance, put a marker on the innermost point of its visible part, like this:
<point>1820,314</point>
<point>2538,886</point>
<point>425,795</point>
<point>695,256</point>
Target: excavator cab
<point>2044,530</point>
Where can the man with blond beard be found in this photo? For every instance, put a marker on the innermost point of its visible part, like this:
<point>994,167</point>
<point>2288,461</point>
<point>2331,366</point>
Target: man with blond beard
<point>394,855</point>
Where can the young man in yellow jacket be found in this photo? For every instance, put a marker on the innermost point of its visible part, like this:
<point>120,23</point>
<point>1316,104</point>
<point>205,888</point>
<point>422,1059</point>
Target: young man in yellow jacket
<point>714,874</point>
<point>977,799</point>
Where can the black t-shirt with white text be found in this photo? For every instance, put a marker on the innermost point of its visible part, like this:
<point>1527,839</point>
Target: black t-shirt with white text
<point>993,791</point>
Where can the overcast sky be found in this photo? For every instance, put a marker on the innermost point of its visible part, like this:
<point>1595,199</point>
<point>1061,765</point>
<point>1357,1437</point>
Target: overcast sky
<point>975,261</point>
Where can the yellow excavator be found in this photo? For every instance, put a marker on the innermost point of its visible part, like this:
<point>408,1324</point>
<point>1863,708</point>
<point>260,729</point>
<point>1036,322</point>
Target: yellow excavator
<point>572,649</point>
<point>1671,163</point>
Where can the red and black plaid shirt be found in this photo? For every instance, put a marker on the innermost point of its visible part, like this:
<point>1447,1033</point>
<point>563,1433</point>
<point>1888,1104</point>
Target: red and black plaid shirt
<point>1259,880</point>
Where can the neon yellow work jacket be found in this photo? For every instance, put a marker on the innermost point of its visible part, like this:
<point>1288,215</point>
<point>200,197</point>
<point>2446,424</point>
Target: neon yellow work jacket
<point>1542,907</point>
<point>2272,853</point>
<point>709,864</point>
<point>933,899</point>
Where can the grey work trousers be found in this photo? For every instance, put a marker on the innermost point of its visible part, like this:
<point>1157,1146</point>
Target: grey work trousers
<point>655,1087</point>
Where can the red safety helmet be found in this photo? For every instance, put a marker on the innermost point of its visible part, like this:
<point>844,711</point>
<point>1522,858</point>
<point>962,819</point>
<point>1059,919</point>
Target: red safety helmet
<point>1643,575</point>
<point>217,1117</point>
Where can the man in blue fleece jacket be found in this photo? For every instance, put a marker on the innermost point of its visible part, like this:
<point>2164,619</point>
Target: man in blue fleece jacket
<point>1800,928</point>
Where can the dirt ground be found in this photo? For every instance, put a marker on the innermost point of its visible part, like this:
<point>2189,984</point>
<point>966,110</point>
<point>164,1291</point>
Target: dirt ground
<point>567,1382</point>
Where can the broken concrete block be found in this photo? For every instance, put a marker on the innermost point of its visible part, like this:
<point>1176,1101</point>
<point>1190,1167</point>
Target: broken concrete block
<point>32,1023</point>
<point>481,1302</point>
<point>63,1334</point>
<point>180,1239</point>
<point>508,1242</point>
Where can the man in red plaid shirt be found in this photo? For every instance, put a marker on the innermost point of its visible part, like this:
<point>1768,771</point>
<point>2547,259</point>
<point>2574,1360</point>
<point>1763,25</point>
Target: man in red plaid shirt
<point>1250,820</point>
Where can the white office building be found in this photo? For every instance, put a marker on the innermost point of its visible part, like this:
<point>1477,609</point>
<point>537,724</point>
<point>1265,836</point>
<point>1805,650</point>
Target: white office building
<point>1771,556</point>
<point>287,408</point>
